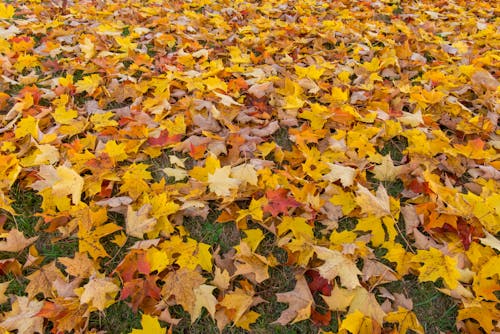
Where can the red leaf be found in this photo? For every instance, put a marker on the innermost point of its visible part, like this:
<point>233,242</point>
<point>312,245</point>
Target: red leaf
<point>465,232</point>
<point>279,202</point>
<point>134,262</point>
<point>164,139</point>
<point>141,289</point>
<point>318,283</point>
<point>321,319</point>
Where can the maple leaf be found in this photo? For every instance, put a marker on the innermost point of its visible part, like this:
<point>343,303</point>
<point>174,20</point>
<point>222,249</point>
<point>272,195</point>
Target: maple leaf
<point>41,281</point>
<point>88,84</point>
<point>386,171</point>
<point>221,278</point>
<point>338,172</point>
<point>236,304</point>
<point>182,284</point>
<point>99,292</point>
<point>339,298</point>
<point>250,263</point>
<point>79,266</point>
<point>136,262</point>
<point>299,300</point>
<point>375,205</point>
<point>89,239</point>
<point>23,316</point>
<point>406,320</point>
<point>365,302</point>
<point>357,323</point>
<point>6,11</point>
<point>278,131</point>
<point>279,202</point>
<point>61,180</point>
<point>221,183</point>
<point>204,299</point>
<point>436,265</point>
<point>149,325</point>
<point>484,313</point>
<point>15,241</point>
<point>141,291</point>
<point>298,226</point>
<point>138,222</point>
<point>247,319</point>
<point>318,283</point>
<point>337,264</point>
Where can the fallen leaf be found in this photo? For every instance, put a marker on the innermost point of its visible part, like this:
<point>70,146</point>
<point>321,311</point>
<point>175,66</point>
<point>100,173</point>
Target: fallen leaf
<point>99,292</point>
<point>15,242</point>
<point>150,325</point>
<point>299,302</point>
<point>337,265</point>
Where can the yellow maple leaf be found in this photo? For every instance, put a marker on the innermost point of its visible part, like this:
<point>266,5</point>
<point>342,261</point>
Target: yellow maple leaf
<point>245,173</point>
<point>3,289</point>
<point>189,253</point>
<point>138,222</point>
<point>254,210</point>
<point>6,11</point>
<point>339,299</point>
<point>247,319</point>
<point>236,303</point>
<point>436,265</point>
<point>397,254</point>
<point>221,183</point>
<point>115,151</point>
<point>9,170</point>
<point>27,126</point>
<point>89,238</point>
<point>99,292</point>
<point>378,205</point>
<point>26,61</point>
<point>311,72</point>
<point>213,83</point>
<point>386,171</point>
<point>406,320</point>
<point>337,264</point>
<point>356,323</point>
<point>297,225</point>
<point>484,313</point>
<point>88,48</point>
<point>366,303</point>
<point>150,325</point>
<point>101,121</point>
<point>318,115</point>
<point>88,84</point>
<point>62,181</point>
<point>23,317</point>
<point>46,154</point>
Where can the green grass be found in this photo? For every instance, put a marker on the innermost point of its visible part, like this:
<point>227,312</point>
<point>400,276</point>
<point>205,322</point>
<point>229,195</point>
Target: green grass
<point>223,235</point>
<point>118,318</point>
<point>435,311</point>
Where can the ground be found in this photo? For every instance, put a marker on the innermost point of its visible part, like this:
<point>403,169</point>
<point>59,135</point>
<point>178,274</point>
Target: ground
<point>249,166</point>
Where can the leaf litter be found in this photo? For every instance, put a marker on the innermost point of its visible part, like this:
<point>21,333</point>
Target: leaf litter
<point>276,116</point>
